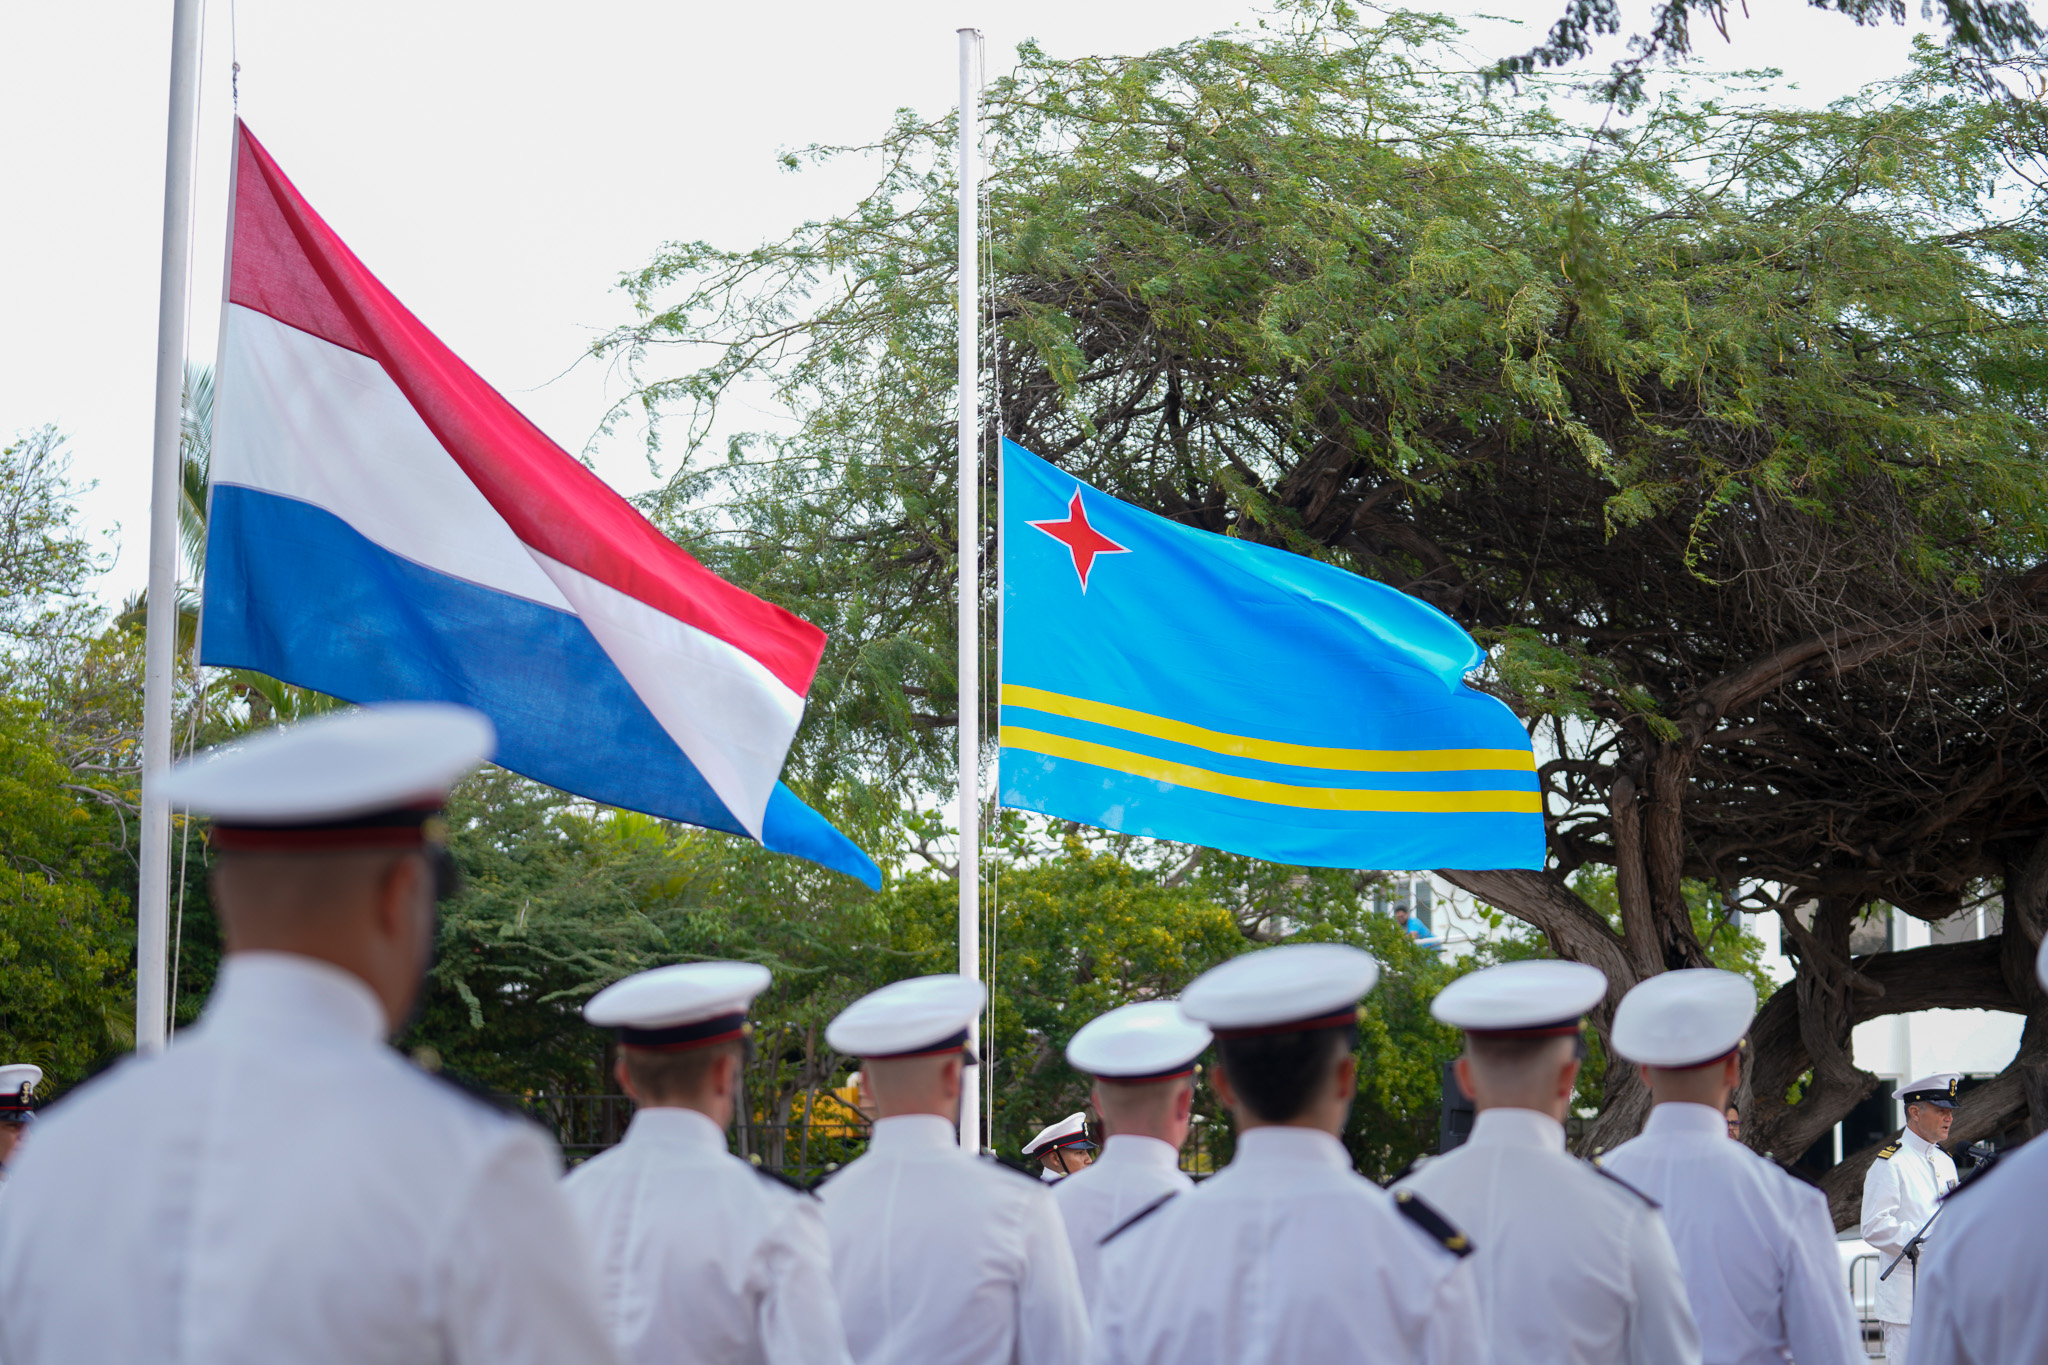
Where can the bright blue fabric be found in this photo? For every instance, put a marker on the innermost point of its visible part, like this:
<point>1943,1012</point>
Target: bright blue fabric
<point>295,592</point>
<point>1250,641</point>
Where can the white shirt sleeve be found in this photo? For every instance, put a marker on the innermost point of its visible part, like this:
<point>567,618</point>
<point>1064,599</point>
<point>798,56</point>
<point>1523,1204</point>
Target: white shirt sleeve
<point>518,1285</point>
<point>1455,1332</point>
<point>1820,1322</point>
<point>1881,1225</point>
<point>1661,1330</point>
<point>1052,1319</point>
<point>799,1308</point>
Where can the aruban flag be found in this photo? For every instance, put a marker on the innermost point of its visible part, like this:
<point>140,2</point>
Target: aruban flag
<point>384,526</point>
<point>1164,681</point>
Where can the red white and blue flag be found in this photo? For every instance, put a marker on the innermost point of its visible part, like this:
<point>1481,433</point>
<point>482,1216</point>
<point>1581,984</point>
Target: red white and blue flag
<point>384,526</point>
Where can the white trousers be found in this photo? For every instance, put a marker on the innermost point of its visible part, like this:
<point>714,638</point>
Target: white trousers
<point>1895,1342</point>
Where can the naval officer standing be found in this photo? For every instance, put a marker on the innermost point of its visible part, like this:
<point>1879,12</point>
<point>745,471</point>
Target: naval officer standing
<point>940,1256</point>
<point>702,1258</point>
<point>18,1084</point>
<point>1901,1190</point>
<point>1573,1266</point>
<point>1979,1297</point>
<point>1756,1246</point>
<point>279,1184</point>
<point>1142,1057</point>
<point>1061,1148</point>
<point>1287,1255</point>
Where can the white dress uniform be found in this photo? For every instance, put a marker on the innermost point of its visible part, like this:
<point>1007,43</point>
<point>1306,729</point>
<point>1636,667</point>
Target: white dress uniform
<point>1980,1296</point>
<point>941,1257</point>
<point>1756,1246</point>
<point>1133,1173</point>
<point>1572,1266</point>
<point>701,1257</point>
<point>279,1185</point>
<point>1286,1256</point>
<point>1138,1045</point>
<point>1900,1193</point>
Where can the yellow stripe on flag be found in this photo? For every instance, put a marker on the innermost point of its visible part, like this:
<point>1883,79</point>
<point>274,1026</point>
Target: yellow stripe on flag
<point>1271,793</point>
<point>1274,751</point>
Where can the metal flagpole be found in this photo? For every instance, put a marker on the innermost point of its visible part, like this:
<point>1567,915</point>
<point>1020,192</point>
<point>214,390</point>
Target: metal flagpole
<point>969,556</point>
<point>152,911</point>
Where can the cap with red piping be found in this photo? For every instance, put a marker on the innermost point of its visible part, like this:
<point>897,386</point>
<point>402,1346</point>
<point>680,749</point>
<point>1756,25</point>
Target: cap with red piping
<point>1148,1041</point>
<point>673,1009</point>
<point>1532,999</point>
<point>923,1016</point>
<point>1289,989</point>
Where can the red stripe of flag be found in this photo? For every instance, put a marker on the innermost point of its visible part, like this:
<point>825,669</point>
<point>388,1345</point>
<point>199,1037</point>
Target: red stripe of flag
<point>289,264</point>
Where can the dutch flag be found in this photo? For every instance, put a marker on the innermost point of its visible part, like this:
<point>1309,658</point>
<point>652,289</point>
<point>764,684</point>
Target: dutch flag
<point>384,526</point>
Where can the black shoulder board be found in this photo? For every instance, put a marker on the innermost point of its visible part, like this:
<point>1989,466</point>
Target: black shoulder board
<point>779,1178</point>
<point>1602,1170</point>
<point>1412,1207</point>
<point>1888,1151</point>
<point>1019,1167</point>
<point>1140,1216</point>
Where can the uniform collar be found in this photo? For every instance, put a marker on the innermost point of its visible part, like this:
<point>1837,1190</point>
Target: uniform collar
<point>1285,1145</point>
<point>1135,1149</point>
<point>1679,1118</point>
<point>1917,1143</point>
<point>914,1133</point>
<point>675,1126</point>
<point>1516,1128</point>
<point>266,991</point>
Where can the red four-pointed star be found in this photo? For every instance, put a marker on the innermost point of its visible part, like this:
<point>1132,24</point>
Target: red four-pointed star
<point>1083,541</point>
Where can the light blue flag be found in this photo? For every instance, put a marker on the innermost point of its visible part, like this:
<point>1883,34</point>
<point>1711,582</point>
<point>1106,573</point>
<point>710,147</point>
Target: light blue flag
<point>1164,681</point>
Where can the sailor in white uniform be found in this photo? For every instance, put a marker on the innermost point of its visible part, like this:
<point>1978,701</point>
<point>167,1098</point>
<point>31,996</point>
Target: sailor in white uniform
<point>1901,1190</point>
<point>1979,1298</point>
<point>940,1256</point>
<point>18,1084</point>
<point>1143,1058</point>
<point>1756,1246</point>
<point>1287,1255</point>
<point>701,1257</point>
<point>1061,1148</point>
<point>279,1184</point>
<point>1574,1267</point>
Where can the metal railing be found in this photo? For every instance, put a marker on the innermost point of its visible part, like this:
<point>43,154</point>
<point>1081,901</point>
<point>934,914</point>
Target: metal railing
<point>1863,1298</point>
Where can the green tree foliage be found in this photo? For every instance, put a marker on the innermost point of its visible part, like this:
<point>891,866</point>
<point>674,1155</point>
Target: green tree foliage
<point>1721,428</point>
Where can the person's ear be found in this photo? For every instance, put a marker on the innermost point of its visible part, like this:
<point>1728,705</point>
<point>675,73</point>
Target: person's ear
<point>625,1080</point>
<point>1462,1071</point>
<point>1644,1072</point>
<point>1567,1078</point>
<point>1184,1105</point>
<point>725,1075</point>
<point>397,892</point>
<point>1347,1077</point>
<point>949,1076</point>
<point>1731,1071</point>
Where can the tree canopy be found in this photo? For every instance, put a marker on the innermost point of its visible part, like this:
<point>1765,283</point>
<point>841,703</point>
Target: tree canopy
<point>1721,429</point>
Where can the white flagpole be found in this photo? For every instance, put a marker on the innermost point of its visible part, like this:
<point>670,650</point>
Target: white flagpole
<point>969,555</point>
<point>152,911</point>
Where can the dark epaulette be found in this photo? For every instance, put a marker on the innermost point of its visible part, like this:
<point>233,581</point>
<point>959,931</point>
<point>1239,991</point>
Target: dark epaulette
<point>1415,1163</point>
<point>1010,1164</point>
<point>1140,1216</point>
<point>1888,1151</point>
<point>781,1179</point>
<point>1417,1211</point>
<point>1602,1170</point>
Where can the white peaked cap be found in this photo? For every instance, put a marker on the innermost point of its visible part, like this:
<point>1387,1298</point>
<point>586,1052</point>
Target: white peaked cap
<point>672,998</point>
<point>1305,985</point>
<point>1541,995</point>
<point>905,1018</point>
<point>1684,1018</point>
<point>1150,1040</point>
<point>1071,1131</point>
<point>335,767</point>
<point>1938,1089</point>
<point>14,1077</point>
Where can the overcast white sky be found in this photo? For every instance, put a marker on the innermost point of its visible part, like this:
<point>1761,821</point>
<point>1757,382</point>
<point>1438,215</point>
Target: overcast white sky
<point>500,165</point>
